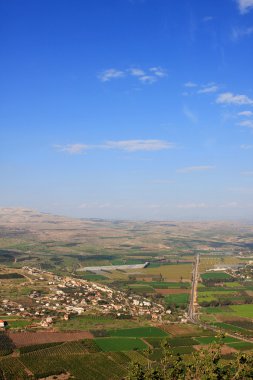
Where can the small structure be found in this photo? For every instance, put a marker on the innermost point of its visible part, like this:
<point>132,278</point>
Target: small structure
<point>3,323</point>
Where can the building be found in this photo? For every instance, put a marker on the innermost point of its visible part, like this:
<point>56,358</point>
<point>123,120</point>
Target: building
<point>3,323</point>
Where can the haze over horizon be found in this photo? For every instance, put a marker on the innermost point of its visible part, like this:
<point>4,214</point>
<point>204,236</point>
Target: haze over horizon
<point>128,109</point>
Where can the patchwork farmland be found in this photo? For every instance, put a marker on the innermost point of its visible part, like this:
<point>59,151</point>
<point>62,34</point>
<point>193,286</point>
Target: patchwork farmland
<point>63,320</point>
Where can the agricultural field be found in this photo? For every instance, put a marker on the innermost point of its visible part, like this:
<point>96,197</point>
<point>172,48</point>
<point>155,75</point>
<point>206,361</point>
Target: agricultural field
<point>120,344</point>
<point>102,345</point>
<point>115,352</point>
<point>141,332</point>
<point>225,299</point>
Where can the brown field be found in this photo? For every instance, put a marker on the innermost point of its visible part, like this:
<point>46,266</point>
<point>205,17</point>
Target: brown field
<point>182,330</point>
<point>172,291</point>
<point>29,338</point>
<point>225,350</point>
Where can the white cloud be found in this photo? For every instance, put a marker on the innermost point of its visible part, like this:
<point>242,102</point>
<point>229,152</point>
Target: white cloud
<point>190,114</point>
<point>190,169</point>
<point>230,98</point>
<point>238,33</point>
<point>245,113</point>
<point>208,89</point>
<point>124,145</point>
<point>149,76</point>
<point>72,148</point>
<point>158,71</point>
<point>190,85</point>
<point>109,74</point>
<point>148,79</point>
<point>246,123</point>
<point>139,145</point>
<point>136,72</point>
<point>246,146</point>
<point>245,5</point>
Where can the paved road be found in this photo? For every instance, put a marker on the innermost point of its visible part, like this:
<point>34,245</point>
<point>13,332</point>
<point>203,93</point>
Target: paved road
<point>192,314</point>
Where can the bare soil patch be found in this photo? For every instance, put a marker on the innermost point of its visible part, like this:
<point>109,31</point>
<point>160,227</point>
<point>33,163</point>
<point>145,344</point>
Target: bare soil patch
<point>181,330</point>
<point>62,376</point>
<point>29,338</point>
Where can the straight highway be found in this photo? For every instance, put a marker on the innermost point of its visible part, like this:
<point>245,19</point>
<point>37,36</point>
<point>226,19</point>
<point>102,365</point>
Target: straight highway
<point>192,313</point>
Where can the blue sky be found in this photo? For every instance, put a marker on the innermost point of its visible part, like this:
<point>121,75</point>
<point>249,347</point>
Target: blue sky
<point>138,109</point>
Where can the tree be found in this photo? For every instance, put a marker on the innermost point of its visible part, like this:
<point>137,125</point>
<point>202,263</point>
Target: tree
<point>206,364</point>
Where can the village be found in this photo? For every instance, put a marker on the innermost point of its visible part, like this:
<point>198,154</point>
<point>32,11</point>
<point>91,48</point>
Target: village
<point>68,296</point>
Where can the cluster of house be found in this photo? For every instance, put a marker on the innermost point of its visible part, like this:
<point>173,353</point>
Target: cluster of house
<point>66,296</point>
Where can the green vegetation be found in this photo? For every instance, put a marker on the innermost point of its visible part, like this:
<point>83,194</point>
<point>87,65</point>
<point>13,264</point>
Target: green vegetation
<point>242,310</point>
<point>120,344</point>
<point>215,276</point>
<point>241,346</point>
<point>213,339</point>
<point>199,365</point>
<point>10,276</point>
<point>177,299</point>
<point>91,322</point>
<point>141,332</point>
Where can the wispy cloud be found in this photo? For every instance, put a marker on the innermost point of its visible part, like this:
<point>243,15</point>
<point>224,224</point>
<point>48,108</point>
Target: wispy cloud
<point>72,148</point>
<point>247,173</point>
<point>246,146</point>
<point>147,79</point>
<point>139,145</point>
<point>238,33</point>
<point>110,74</point>
<point>190,84</point>
<point>150,75</point>
<point>246,123</point>
<point>199,168</point>
<point>245,5</point>
<point>230,98</point>
<point>158,71</point>
<point>190,114</point>
<point>245,113</point>
<point>208,89</point>
<point>195,88</point>
<point>137,72</point>
<point>123,145</point>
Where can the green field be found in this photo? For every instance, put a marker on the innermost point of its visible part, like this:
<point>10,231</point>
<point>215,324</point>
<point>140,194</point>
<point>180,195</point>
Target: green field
<point>120,344</point>
<point>208,296</point>
<point>92,322</point>
<point>178,342</point>
<point>233,328</point>
<point>241,346</point>
<point>177,299</point>
<point>170,285</point>
<point>213,339</point>
<point>141,288</point>
<point>245,311</point>
<point>217,310</point>
<point>141,332</point>
<point>215,276</point>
